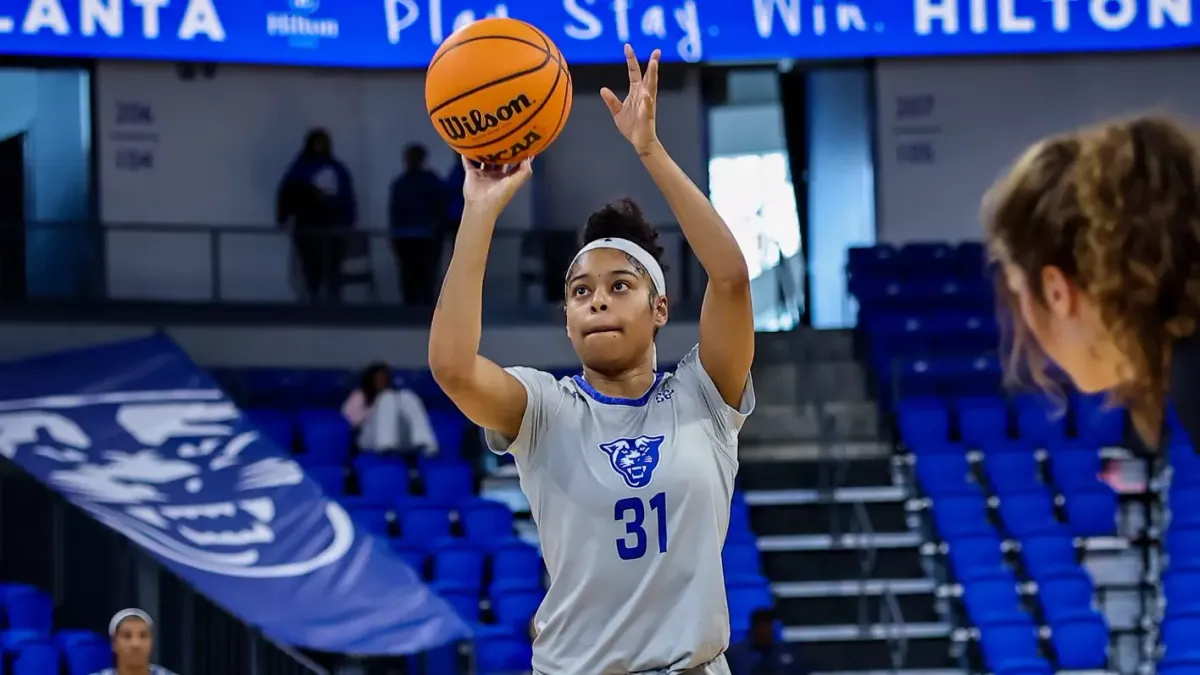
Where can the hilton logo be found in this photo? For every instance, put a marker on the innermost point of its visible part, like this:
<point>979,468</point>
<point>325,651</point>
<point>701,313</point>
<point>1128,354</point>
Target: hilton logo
<point>477,122</point>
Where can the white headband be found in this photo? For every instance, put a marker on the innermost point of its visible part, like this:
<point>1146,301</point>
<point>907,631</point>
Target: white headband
<point>634,251</point>
<point>644,259</point>
<point>131,613</point>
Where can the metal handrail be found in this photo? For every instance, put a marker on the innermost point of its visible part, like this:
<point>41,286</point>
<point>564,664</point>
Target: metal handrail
<point>217,256</point>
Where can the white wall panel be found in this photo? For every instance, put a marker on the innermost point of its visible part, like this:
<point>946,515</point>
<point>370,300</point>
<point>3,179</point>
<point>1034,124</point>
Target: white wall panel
<point>948,129</point>
<point>214,151</point>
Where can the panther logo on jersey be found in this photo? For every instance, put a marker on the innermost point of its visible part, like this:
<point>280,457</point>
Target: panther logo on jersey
<point>634,458</point>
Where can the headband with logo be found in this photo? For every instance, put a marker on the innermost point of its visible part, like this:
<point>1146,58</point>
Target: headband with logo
<point>644,259</point>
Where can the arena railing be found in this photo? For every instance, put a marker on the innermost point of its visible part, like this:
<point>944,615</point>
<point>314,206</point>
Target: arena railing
<point>258,265</point>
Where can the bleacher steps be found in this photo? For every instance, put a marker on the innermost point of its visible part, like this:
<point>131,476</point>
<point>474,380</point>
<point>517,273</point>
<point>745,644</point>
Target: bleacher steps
<point>787,468</point>
<point>836,543</point>
<point>842,608</point>
<point>927,649</point>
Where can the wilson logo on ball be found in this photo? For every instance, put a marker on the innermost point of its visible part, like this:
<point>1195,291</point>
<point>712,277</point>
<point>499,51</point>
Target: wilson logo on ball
<point>477,122</point>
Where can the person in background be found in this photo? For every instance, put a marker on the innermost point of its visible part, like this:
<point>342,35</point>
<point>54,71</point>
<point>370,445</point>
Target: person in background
<point>761,654</point>
<point>132,636</point>
<point>387,419</point>
<point>417,220</point>
<point>454,205</point>
<point>316,198</point>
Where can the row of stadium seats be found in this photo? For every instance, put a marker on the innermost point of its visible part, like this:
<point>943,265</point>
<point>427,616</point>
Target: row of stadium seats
<point>915,260</point>
<point>1023,421</point>
<point>986,509</point>
<point>1011,482</point>
<point>29,645</point>
<point>323,436</point>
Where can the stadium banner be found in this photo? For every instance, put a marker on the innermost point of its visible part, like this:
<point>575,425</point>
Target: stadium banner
<point>404,33</point>
<point>141,438</point>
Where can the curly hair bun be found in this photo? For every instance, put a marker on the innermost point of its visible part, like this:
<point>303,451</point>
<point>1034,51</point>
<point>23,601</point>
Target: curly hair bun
<point>623,219</point>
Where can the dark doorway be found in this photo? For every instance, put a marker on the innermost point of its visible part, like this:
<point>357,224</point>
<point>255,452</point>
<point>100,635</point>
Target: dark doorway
<point>12,218</point>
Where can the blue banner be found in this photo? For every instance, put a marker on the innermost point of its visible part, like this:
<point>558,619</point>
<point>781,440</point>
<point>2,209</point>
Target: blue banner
<point>404,33</point>
<point>141,438</point>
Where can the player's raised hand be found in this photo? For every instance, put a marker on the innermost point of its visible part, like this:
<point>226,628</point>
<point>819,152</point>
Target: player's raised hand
<point>635,115</point>
<point>492,188</point>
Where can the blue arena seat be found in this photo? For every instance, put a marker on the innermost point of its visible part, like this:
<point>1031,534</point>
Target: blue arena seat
<point>448,482</point>
<point>945,475</point>
<point>1040,419</point>
<point>1049,555</point>
<point>500,651</point>
<point>485,521</point>
<point>374,519</point>
<point>1096,422</point>
<point>978,558</point>
<point>1012,646</point>
<point>1066,595</point>
<point>1081,641</point>
<point>88,657</point>
<point>959,517</point>
<point>424,522</point>
<point>463,599</point>
<point>28,609</point>
<point>449,426</point>
<point>1092,513</point>
<point>924,424</point>
<point>36,658</point>
<point>1012,472</point>
<point>982,420</point>
<point>276,426</point>
<point>414,553</point>
<point>1029,514</point>
<point>1075,469</point>
<point>324,436</point>
<point>331,479</point>
<point>515,607</point>
<point>992,600</point>
<point>516,564</point>
<point>458,562</point>
<point>743,599</point>
<point>741,562</point>
<point>383,484</point>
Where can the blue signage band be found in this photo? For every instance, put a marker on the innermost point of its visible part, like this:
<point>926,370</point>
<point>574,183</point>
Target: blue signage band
<point>405,33</point>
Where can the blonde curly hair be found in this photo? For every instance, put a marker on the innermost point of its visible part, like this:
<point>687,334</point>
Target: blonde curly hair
<point>1116,208</point>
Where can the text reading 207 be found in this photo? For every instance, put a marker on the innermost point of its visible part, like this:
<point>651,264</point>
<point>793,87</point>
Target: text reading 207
<point>633,511</point>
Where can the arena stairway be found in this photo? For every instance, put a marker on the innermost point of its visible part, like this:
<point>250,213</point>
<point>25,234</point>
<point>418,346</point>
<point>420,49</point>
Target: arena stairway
<point>846,569</point>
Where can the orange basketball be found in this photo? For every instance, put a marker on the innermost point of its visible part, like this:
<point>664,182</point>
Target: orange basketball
<point>498,91</point>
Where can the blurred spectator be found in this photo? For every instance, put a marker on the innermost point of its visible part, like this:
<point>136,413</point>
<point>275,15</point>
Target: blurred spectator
<point>316,197</point>
<point>761,653</point>
<point>388,419</point>
<point>132,642</point>
<point>417,214</point>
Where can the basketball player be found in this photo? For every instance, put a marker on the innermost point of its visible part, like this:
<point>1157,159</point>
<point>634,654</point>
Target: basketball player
<point>1096,236</point>
<point>628,471</point>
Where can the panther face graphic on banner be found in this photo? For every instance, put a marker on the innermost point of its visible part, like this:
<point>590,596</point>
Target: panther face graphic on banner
<point>183,475</point>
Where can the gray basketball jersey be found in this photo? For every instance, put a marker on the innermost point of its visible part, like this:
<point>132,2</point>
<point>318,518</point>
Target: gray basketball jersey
<point>631,500</point>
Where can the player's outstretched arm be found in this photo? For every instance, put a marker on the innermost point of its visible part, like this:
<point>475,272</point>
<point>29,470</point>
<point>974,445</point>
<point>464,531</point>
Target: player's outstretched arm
<point>726,317</point>
<point>482,390</point>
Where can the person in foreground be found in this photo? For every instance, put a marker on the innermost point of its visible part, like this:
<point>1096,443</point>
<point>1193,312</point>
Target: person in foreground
<point>628,471</point>
<point>132,636</point>
<point>1096,238</point>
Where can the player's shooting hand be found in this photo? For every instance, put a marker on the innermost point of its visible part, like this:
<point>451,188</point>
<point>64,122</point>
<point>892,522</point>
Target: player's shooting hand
<point>635,115</point>
<point>492,188</point>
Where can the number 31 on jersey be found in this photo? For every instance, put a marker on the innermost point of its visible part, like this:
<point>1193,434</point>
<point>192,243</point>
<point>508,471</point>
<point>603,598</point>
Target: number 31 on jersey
<point>633,511</point>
